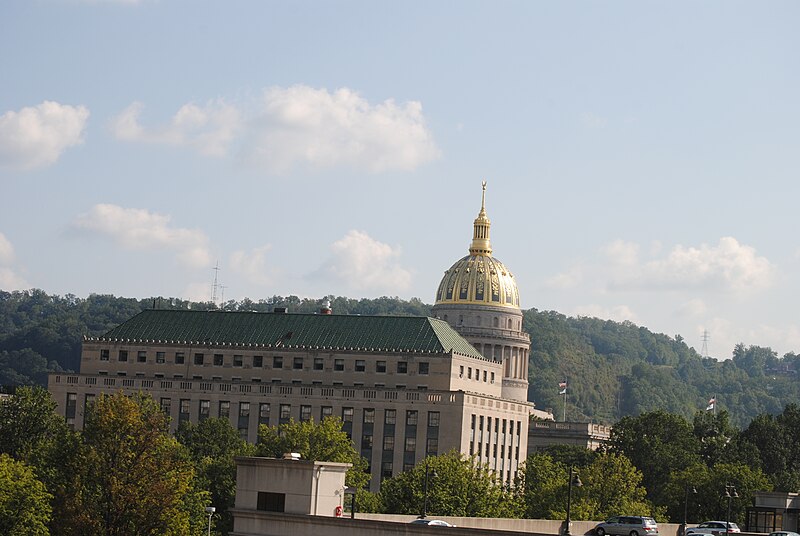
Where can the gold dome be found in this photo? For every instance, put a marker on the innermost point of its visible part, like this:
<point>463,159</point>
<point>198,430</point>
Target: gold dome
<point>479,278</point>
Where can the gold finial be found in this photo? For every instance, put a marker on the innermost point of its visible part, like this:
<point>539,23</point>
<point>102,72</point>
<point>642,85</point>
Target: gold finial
<point>480,237</point>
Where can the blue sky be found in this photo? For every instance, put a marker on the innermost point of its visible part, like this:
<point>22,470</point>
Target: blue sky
<point>641,157</point>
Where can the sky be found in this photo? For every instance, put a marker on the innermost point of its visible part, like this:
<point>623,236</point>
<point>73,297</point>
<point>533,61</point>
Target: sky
<point>642,158</point>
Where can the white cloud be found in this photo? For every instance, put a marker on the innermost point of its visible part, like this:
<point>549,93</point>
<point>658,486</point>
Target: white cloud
<point>9,279</point>
<point>566,280</point>
<point>619,313</point>
<point>364,264</point>
<point>6,250</point>
<point>729,265</point>
<point>139,229</point>
<point>37,136</point>
<point>622,253</point>
<point>197,292</point>
<point>253,265</point>
<point>296,126</point>
<point>692,308</point>
<point>209,129</point>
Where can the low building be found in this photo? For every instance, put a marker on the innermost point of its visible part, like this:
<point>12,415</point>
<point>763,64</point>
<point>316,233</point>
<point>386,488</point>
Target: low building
<point>546,433</point>
<point>773,511</point>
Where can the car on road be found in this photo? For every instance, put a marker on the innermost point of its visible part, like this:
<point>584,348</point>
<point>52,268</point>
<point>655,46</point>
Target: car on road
<point>432,522</point>
<point>783,533</point>
<point>627,526</point>
<point>714,527</point>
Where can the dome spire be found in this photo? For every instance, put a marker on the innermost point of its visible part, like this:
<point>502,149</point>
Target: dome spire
<point>480,236</point>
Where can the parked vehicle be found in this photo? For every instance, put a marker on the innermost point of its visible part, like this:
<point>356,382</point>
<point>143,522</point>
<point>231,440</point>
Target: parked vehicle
<point>627,526</point>
<point>714,527</point>
<point>783,533</point>
<point>432,522</point>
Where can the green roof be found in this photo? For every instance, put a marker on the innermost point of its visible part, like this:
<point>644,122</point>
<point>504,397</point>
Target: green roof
<point>295,331</point>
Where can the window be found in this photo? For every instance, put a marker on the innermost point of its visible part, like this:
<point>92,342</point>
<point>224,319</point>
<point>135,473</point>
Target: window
<point>258,361</point>
<point>484,376</point>
<point>461,371</point>
<point>104,355</point>
<point>318,363</point>
<point>123,355</point>
<point>218,360</point>
<point>183,416</point>
<point>325,412</point>
<point>411,417</point>
<point>361,365</point>
<point>161,357</point>
<point>179,358</point>
<point>166,405</point>
<point>141,357</point>
<point>380,366</point>
<point>297,364</point>
<point>224,409</point>
<point>402,367</point>
<point>386,470</point>
<point>277,362</point>
<point>390,416</point>
<point>271,502</point>
<point>198,359</point>
<point>347,414</point>
<point>338,365</point>
<point>366,442</point>
<point>423,369</point>
<point>244,409</point>
<point>263,413</point>
<point>205,409</point>
<point>388,442</point>
<point>492,377</point>
<point>432,446</point>
<point>469,373</point>
<point>411,444</point>
<point>286,411</point>
<point>238,360</point>
<point>72,407</point>
<point>305,413</point>
<point>369,415</point>
<point>122,373</point>
<point>433,419</point>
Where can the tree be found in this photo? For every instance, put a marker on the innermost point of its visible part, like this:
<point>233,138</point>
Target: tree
<point>27,422</point>
<point>543,480</point>
<point>24,501</point>
<point>132,478</point>
<point>213,444</point>
<point>459,488</point>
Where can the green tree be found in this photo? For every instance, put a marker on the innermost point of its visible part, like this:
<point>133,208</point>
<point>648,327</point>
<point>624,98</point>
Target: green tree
<point>28,422</point>
<point>459,488</point>
<point>213,444</point>
<point>132,477</point>
<point>543,481</point>
<point>24,501</point>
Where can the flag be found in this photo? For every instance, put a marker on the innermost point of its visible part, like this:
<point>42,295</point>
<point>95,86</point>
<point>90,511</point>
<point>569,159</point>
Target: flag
<point>711,404</point>
<point>563,387</point>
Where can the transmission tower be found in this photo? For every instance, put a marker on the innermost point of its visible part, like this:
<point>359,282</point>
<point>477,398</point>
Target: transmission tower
<point>706,338</point>
<point>214,284</point>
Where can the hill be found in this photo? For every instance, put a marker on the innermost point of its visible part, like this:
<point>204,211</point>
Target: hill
<point>613,369</point>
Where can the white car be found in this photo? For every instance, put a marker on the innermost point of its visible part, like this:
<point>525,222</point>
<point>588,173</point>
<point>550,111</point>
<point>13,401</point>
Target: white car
<point>713,527</point>
<point>432,522</point>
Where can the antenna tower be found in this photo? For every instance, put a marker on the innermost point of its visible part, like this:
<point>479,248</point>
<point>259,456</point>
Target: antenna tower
<point>215,285</point>
<point>706,338</point>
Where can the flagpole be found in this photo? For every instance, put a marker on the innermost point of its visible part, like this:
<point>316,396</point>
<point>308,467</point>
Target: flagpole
<point>565,400</point>
<point>715,405</point>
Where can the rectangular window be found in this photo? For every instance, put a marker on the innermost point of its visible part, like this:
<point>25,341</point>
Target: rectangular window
<point>286,412</point>
<point>469,373</point>
<point>423,369</point>
<point>390,416</point>
<point>244,409</point>
<point>205,409</point>
<point>271,502</point>
<point>433,419</point>
<point>198,359</point>
<point>218,360</point>
<point>411,444</point>
<point>388,442</point>
<point>123,355</point>
<point>380,366</point>
<point>305,413</point>
<point>461,371</point>
<point>366,442</point>
<point>141,357</point>
<point>484,376</point>
<point>179,358</point>
<point>166,405</point>
<point>183,414</point>
<point>104,355</point>
<point>492,378</point>
<point>338,365</point>
<point>224,409</point>
<point>72,406</point>
<point>361,365</point>
<point>411,417</point>
<point>263,413</point>
<point>258,361</point>
<point>402,367</point>
<point>432,446</point>
<point>277,362</point>
<point>297,364</point>
<point>318,363</point>
<point>347,414</point>
<point>238,360</point>
<point>369,415</point>
<point>325,412</point>
<point>386,470</point>
<point>161,357</point>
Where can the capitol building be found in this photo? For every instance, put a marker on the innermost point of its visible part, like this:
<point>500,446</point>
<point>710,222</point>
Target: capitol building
<point>405,387</point>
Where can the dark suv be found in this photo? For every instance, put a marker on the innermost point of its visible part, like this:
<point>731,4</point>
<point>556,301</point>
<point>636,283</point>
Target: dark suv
<point>627,526</point>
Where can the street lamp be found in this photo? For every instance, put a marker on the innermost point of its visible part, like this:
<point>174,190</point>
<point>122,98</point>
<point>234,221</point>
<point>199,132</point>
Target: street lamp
<point>428,474</point>
<point>574,480</point>
<point>210,511</point>
<point>730,493</point>
<point>686,506</point>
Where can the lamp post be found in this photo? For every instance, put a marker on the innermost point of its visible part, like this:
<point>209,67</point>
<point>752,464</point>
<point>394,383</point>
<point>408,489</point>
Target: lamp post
<point>686,506</point>
<point>730,493</point>
<point>210,511</point>
<point>574,480</point>
<point>428,474</point>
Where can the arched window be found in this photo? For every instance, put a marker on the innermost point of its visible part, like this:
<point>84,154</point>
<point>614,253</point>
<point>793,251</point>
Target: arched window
<point>496,322</point>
